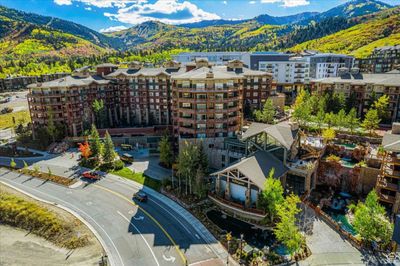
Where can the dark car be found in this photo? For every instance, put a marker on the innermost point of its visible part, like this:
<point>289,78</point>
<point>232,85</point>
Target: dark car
<point>141,196</point>
<point>91,175</point>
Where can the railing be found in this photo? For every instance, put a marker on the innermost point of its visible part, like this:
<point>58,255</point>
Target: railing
<point>235,205</point>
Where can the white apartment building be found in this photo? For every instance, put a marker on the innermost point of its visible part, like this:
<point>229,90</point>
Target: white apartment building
<point>217,58</point>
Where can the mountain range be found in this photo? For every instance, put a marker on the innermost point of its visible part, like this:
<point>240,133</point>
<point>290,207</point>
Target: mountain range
<point>355,27</point>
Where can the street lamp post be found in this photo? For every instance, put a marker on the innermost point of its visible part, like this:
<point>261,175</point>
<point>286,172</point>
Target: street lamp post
<point>241,245</point>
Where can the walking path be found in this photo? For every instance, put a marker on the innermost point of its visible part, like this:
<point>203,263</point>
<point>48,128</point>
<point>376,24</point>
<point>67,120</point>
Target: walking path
<point>329,248</point>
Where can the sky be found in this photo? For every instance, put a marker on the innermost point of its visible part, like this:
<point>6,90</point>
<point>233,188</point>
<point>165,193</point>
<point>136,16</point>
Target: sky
<point>108,15</point>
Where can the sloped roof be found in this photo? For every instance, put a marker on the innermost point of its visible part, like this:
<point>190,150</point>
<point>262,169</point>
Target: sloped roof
<point>391,79</point>
<point>106,65</point>
<point>219,72</point>
<point>137,72</point>
<point>391,142</point>
<point>257,167</point>
<point>282,132</point>
<point>70,81</point>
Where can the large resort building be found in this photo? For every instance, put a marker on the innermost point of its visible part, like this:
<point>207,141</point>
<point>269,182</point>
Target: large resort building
<point>388,182</point>
<point>361,87</point>
<point>208,99</point>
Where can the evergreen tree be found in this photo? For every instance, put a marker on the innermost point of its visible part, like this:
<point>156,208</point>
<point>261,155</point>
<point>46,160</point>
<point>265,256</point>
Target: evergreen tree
<point>341,119</point>
<point>109,150</point>
<point>351,101</point>
<point>352,120</point>
<point>267,114</point>
<point>166,152</point>
<point>51,127</point>
<point>98,109</point>
<point>95,144</point>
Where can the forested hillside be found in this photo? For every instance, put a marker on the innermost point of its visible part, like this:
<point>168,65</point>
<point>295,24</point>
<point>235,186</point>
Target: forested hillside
<point>375,30</point>
<point>32,44</point>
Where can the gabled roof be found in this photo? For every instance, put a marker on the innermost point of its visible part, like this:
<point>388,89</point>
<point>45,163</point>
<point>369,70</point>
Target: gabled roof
<point>106,65</point>
<point>257,167</point>
<point>70,81</point>
<point>139,72</point>
<point>386,79</point>
<point>281,132</point>
<point>391,142</point>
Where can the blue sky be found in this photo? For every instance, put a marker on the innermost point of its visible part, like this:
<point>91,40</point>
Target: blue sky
<point>117,14</point>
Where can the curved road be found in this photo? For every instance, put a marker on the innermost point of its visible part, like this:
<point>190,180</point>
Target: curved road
<point>158,232</point>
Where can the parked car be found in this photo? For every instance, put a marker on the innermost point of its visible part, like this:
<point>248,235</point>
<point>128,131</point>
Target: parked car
<point>126,158</point>
<point>91,175</point>
<point>140,196</point>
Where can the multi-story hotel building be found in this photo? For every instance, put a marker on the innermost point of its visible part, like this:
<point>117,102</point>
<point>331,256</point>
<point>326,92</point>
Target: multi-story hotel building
<point>388,182</point>
<point>21,82</point>
<point>208,100</point>
<point>382,60</point>
<point>217,58</point>
<point>361,86</point>
<point>69,100</point>
<point>211,96</point>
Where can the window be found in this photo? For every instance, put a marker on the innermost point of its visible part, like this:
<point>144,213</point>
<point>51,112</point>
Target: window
<point>201,106</point>
<point>219,85</point>
<point>200,86</point>
<point>219,106</point>
<point>186,84</point>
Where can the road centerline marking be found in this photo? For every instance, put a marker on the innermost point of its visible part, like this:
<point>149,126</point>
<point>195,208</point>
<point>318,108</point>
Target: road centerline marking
<point>144,239</point>
<point>148,215</point>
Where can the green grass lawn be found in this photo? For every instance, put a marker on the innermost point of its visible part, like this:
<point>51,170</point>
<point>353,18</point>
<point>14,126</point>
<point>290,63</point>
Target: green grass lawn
<point>6,120</point>
<point>138,177</point>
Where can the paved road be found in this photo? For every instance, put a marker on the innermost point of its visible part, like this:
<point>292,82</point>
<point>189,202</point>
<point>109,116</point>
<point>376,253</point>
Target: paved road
<point>134,233</point>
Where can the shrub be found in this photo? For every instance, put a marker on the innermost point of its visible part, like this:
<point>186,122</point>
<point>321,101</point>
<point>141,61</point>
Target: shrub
<point>118,165</point>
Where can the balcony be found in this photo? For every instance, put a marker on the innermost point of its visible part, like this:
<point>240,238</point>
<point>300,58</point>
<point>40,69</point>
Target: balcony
<point>387,198</point>
<point>387,185</point>
<point>238,209</point>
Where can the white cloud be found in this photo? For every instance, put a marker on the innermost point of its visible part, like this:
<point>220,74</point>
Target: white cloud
<point>167,11</point>
<point>63,2</point>
<point>225,2</point>
<point>252,2</point>
<point>288,3</point>
<point>101,3</point>
<point>112,29</point>
<point>88,8</point>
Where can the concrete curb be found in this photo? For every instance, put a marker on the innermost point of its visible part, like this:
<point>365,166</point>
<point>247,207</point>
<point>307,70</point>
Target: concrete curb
<point>104,246</point>
<point>203,232</point>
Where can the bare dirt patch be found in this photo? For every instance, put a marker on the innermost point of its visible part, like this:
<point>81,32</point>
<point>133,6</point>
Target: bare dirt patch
<point>19,247</point>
